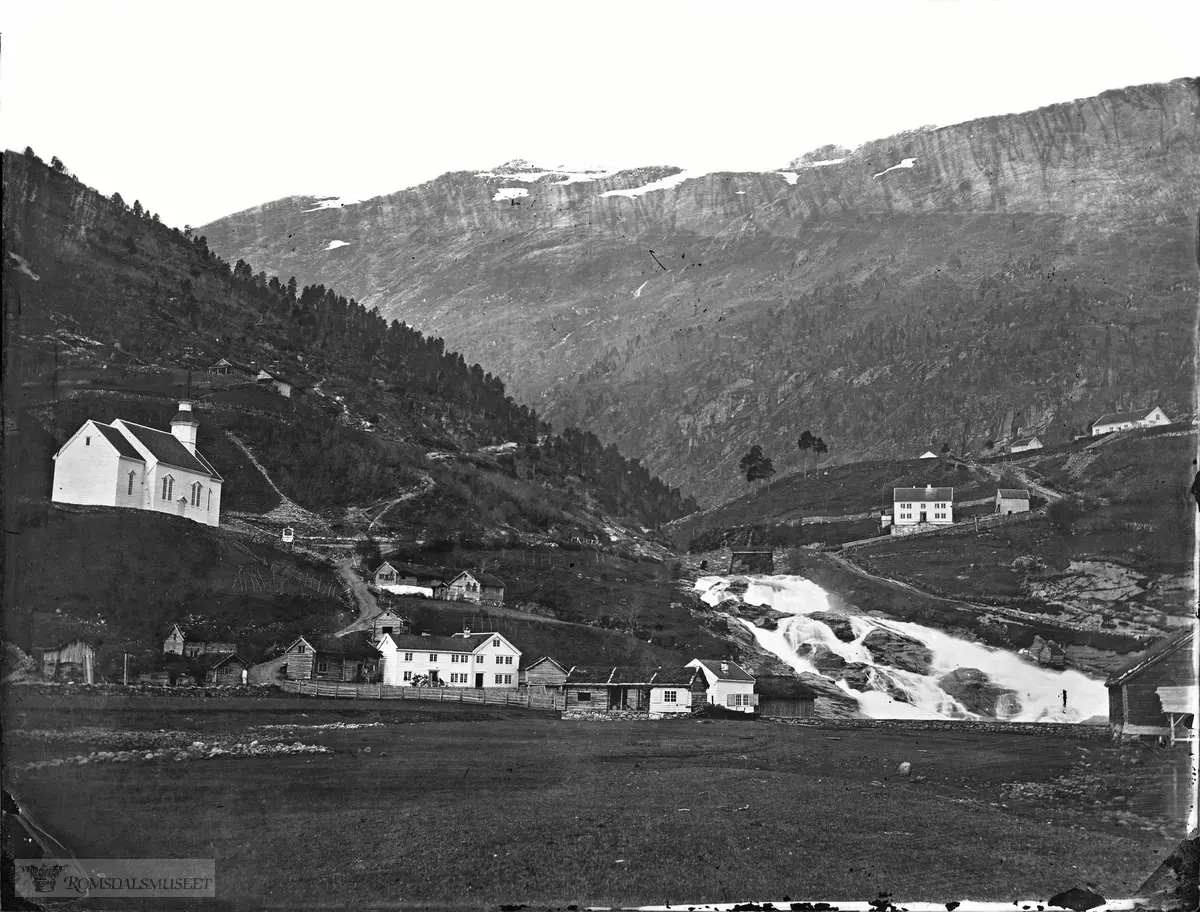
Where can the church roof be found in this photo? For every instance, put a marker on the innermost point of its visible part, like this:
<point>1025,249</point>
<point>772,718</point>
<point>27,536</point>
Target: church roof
<point>117,439</point>
<point>168,449</point>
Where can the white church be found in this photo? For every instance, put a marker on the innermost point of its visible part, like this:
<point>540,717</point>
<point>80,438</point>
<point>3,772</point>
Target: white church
<point>130,465</point>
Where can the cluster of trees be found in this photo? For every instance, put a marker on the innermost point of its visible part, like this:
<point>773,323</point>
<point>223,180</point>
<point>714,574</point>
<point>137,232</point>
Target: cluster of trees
<point>757,466</point>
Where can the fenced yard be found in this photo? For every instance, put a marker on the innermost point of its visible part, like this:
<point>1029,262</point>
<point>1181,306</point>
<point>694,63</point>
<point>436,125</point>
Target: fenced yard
<point>478,696</point>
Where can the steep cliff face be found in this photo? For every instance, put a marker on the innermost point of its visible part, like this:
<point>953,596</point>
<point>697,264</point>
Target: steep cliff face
<point>914,291</point>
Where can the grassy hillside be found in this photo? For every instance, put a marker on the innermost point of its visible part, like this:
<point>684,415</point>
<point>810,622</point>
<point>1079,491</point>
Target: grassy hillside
<point>121,578</point>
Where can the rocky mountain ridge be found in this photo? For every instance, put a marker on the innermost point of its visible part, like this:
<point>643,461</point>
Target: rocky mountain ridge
<point>1012,274</point>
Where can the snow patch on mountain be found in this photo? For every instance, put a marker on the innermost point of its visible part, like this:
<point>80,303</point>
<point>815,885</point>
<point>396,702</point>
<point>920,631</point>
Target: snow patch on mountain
<point>664,183</point>
<point>790,176</point>
<point>907,163</point>
<point>331,202</point>
<point>334,245</point>
<point>509,193</point>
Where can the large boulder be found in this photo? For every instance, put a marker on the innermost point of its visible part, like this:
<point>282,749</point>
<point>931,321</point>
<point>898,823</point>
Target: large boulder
<point>979,694</point>
<point>832,665</point>
<point>838,623</point>
<point>761,615</point>
<point>899,651</point>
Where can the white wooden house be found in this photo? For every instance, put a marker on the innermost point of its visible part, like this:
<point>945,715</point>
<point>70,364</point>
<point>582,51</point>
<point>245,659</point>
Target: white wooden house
<point>1024,445</point>
<point>1120,421</point>
<point>275,382</point>
<point>466,659</point>
<point>917,509</point>
<point>473,587</point>
<point>130,465</point>
<point>729,684</point>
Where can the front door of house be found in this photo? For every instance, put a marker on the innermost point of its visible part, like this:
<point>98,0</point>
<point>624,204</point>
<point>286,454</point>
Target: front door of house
<point>433,677</point>
<point>922,516</point>
<point>479,679</point>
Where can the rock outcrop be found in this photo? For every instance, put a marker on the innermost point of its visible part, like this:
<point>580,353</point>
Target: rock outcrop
<point>838,623</point>
<point>898,651</point>
<point>974,690</point>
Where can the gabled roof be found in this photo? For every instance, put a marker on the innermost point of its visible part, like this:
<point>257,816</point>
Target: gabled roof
<point>381,567</point>
<point>537,662</point>
<point>780,687</point>
<point>484,579</point>
<point>926,493</point>
<point>1012,493</point>
<point>167,449</point>
<point>725,671</point>
<point>1118,417</point>
<point>209,661</point>
<point>1153,656</point>
<point>625,676</point>
<point>117,439</point>
<point>175,628</point>
<point>414,643</point>
<point>1024,441</point>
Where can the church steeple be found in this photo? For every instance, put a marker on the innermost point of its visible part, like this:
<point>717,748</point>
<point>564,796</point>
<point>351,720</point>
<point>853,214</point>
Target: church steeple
<point>184,426</point>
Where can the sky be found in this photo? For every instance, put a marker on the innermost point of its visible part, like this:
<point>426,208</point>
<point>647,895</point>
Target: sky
<point>202,109</point>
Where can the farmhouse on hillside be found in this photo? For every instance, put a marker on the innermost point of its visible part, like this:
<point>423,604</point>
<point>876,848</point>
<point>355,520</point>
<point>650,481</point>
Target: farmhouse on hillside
<point>276,382</point>
<point>1024,444</point>
<point>1011,500</point>
<point>918,509</point>
<point>729,684</point>
<point>482,588</point>
<point>129,465</point>
<point>232,370</point>
<point>655,693</point>
<point>1155,695</point>
<point>343,660</point>
<point>72,661</point>
<point>1120,421</point>
<point>177,643</point>
<point>461,660</point>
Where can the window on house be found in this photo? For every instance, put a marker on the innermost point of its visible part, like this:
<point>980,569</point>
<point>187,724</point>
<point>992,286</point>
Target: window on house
<point>508,660</point>
<point>408,676</point>
<point>300,649</point>
<point>433,656</point>
<point>508,679</point>
<point>478,659</point>
<point>496,643</point>
<point>209,499</point>
<point>87,441</point>
<point>670,696</point>
<point>408,656</point>
<point>499,679</point>
<point>197,488</point>
<point>322,667</point>
<point>168,487</point>
<point>131,474</point>
<point>583,697</point>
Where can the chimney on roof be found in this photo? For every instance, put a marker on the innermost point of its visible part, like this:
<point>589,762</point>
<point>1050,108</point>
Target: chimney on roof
<point>184,425</point>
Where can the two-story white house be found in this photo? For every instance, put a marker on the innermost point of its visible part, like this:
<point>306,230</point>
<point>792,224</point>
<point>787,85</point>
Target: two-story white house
<point>914,509</point>
<point>130,465</point>
<point>1120,421</point>
<point>729,684</point>
<point>462,660</point>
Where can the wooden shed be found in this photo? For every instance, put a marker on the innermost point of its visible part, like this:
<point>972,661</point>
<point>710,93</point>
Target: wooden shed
<point>351,659</point>
<point>223,669</point>
<point>1155,694</point>
<point>1011,500</point>
<point>544,676</point>
<point>71,661</point>
<point>781,697</point>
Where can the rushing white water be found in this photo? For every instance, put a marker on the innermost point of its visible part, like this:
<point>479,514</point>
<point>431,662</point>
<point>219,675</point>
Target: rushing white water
<point>1038,690</point>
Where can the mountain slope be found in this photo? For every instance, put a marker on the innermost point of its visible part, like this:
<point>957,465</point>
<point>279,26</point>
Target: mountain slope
<point>1016,273</point>
<point>100,295</point>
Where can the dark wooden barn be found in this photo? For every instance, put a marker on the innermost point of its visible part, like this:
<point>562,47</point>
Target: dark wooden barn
<point>1155,694</point>
<point>781,697</point>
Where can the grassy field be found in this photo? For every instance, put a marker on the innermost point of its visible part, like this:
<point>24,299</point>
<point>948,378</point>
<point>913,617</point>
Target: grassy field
<point>512,807</point>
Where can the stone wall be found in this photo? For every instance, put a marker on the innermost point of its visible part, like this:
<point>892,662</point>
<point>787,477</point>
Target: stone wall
<point>605,715</point>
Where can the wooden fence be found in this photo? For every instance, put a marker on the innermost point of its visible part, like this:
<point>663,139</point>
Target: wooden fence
<point>479,696</point>
<point>974,524</point>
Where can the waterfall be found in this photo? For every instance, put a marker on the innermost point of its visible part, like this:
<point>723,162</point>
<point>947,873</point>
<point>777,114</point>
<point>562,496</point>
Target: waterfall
<point>894,693</point>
